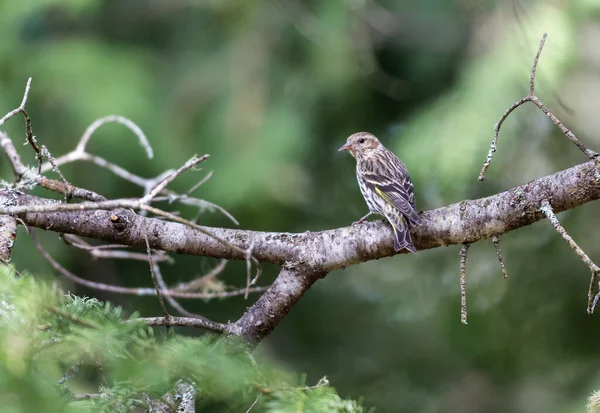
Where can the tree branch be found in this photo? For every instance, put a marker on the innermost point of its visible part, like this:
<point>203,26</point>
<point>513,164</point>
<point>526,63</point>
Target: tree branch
<point>464,222</point>
<point>308,256</point>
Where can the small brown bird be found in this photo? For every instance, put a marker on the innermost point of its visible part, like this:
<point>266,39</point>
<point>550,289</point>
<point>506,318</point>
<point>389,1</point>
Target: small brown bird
<point>385,185</point>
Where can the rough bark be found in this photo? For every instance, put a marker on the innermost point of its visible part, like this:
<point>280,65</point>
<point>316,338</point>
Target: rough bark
<point>308,256</point>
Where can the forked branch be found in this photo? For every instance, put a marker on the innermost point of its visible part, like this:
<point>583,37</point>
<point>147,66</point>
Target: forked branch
<point>532,97</point>
<point>546,208</point>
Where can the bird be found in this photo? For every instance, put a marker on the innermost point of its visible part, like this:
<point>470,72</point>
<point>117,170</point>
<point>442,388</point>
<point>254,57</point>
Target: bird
<point>386,186</point>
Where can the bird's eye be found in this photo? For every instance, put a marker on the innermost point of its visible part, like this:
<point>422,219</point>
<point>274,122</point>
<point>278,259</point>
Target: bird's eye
<point>361,140</point>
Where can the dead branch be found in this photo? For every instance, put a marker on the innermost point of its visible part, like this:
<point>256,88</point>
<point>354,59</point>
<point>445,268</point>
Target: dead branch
<point>496,241</point>
<point>184,322</point>
<point>136,291</point>
<point>532,97</point>
<point>112,251</point>
<point>153,276</point>
<point>80,154</point>
<point>203,280</point>
<point>171,300</point>
<point>546,208</point>
<point>463,282</point>
<point>171,177</point>
<point>25,176</point>
<point>309,256</point>
<point>465,222</point>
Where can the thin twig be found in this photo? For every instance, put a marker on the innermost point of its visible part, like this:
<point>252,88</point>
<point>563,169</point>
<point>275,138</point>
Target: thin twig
<point>137,131</point>
<point>189,164</point>
<point>46,153</point>
<point>496,241</point>
<point>136,291</point>
<point>463,283</point>
<point>80,154</point>
<point>100,251</point>
<point>184,322</point>
<point>588,152</point>
<point>28,131</point>
<point>254,404</point>
<point>201,281</point>
<point>24,175</point>
<point>153,276</point>
<point>531,97</point>
<point>137,180</point>
<point>130,204</point>
<point>250,282</point>
<point>199,183</point>
<point>546,208</point>
<point>21,106</point>
<point>174,303</point>
<point>535,63</point>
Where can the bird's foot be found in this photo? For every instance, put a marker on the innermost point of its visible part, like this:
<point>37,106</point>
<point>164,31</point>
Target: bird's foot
<point>360,221</point>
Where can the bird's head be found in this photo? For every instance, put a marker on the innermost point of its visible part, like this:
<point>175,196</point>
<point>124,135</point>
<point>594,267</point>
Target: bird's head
<point>362,144</point>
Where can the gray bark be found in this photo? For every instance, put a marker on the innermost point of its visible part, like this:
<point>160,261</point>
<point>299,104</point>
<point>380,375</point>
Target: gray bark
<point>308,256</point>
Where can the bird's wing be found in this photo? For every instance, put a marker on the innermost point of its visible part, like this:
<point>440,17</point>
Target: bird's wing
<point>392,183</point>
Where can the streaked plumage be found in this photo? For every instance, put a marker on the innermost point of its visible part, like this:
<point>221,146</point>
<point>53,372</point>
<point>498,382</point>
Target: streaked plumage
<point>385,185</point>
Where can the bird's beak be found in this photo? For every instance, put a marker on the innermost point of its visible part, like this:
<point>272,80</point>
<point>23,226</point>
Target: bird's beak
<point>346,147</point>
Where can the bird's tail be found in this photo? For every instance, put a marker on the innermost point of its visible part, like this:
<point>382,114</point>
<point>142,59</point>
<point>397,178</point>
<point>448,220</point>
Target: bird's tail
<point>401,234</point>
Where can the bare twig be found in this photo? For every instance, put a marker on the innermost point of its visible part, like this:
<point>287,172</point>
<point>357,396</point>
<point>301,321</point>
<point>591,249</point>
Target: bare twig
<point>184,322</point>
<point>172,176</point>
<point>137,131</point>
<point>250,282</point>
<point>133,204</point>
<point>110,251</point>
<point>21,107</point>
<point>546,208</point>
<point>22,173</point>
<point>254,404</point>
<point>80,154</point>
<point>119,203</point>
<point>532,97</point>
<point>496,241</point>
<point>138,180</point>
<point>203,280</point>
<point>174,303</point>
<point>136,291</point>
<point>46,153</point>
<point>535,63</point>
<point>158,294</point>
<point>463,283</point>
<point>28,131</point>
<point>199,183</point>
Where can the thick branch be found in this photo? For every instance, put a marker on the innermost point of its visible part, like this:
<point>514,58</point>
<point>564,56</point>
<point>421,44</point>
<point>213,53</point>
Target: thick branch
<point>308,256</point>
<point>8,235</point>
<point>465,222</point>
<point>260,319</point>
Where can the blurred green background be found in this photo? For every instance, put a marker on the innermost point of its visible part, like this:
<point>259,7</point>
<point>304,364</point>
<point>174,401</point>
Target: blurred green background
<point>270,90</point>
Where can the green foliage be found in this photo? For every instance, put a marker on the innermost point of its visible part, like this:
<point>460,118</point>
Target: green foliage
<point>123,363</point>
